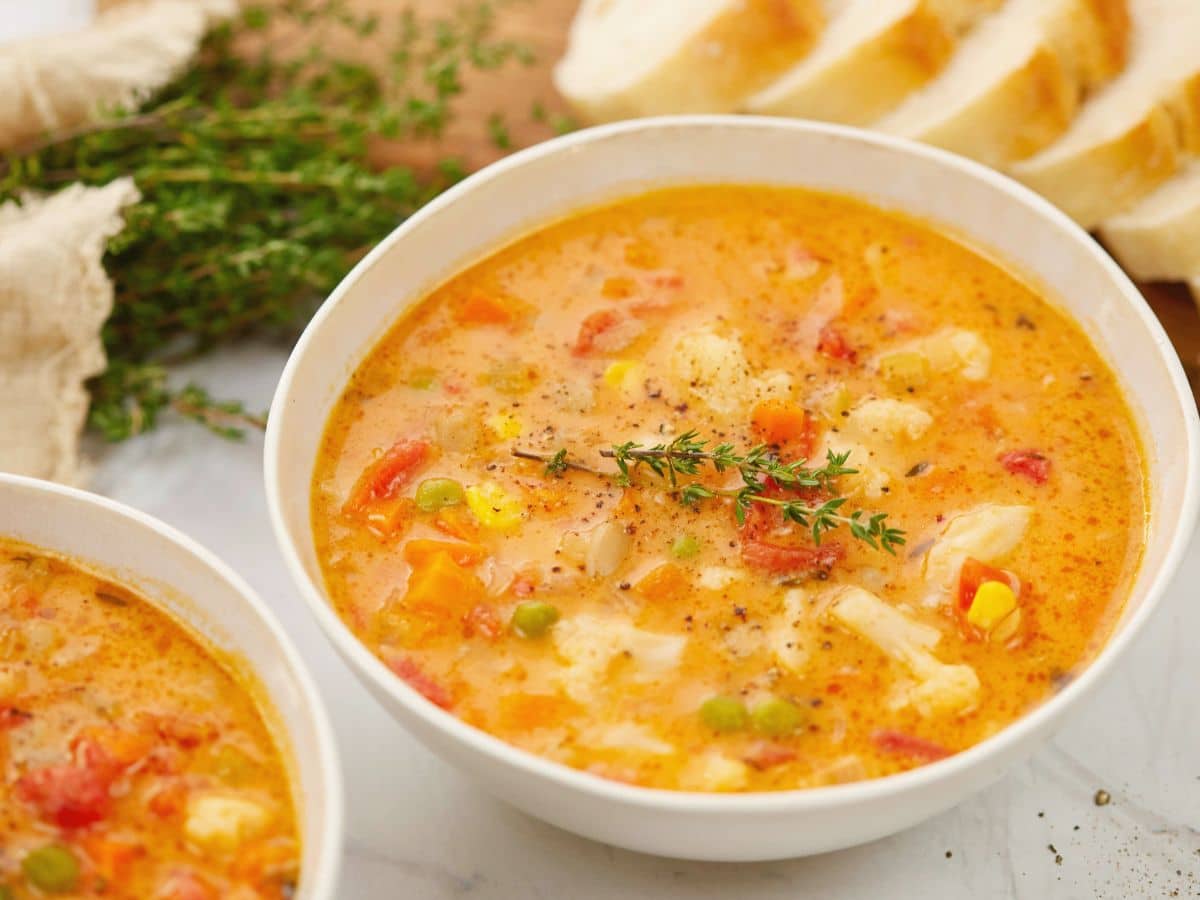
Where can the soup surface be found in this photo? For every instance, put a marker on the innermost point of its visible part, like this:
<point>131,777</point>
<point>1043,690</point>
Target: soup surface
<point>135,763</point>
<point>681,627</point>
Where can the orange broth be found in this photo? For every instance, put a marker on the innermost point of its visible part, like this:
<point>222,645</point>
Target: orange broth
<point>676,647</point>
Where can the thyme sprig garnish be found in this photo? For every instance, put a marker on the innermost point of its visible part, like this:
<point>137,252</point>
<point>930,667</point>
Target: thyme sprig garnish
<point>688,455</point>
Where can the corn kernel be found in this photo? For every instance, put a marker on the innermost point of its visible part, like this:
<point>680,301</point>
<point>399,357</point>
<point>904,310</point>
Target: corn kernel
<point>993,601</point>
<point>624,374</point>
<point>494,507</point>
<point>904,369</point>
<point>505,426</point>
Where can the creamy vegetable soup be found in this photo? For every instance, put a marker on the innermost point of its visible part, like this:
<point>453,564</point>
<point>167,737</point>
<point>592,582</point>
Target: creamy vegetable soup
<point>135,763</point>
<point>733,489</point>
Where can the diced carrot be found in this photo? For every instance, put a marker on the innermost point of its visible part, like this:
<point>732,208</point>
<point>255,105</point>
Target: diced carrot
<point>618,287</point>
<point>11,717</point>
<point>122,746</point>
<point>388,519</point>
<point>419,553</point>
<point>388,475</point>
<point>902,744</point>
<point>785,424</point>
<point>528,712</point>
<point>413,675</point>
<point>667,583</point>
<point>489,309</point>
<point>458,522</point>
<point>439,593</point>
<point>111,858</point>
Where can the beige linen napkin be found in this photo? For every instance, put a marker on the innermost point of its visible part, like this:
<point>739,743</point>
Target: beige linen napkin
<point>54,299</point>
<point>48,84</point>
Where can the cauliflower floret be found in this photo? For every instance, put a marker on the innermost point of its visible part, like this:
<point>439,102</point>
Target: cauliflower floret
<point>890,418</point>
<point>985,533</point>
<point>590,643</point>
<point>714,772</point>
<point>715,370</point>
<point>222,822</point>
<point>940,687</point>
<point>954,350</point>
<point>788,643</point>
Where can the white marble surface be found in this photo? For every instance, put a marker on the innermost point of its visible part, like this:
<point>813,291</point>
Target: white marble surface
<point>417,829</point>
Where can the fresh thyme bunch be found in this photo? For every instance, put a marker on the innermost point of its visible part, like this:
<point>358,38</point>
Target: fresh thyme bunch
<point>257,191</point>
<point>688,454</point>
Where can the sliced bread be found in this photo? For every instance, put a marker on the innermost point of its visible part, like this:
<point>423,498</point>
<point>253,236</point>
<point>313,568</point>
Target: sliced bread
<point>1159,238</point>
<point>1016,81</point>
<point>630,58</point>
<point>1137,131</point>
<point>870,58</point>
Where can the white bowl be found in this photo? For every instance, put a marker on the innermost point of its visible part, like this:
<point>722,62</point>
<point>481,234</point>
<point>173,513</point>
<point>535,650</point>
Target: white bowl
<point>183,578</point>
<point>551,179</point>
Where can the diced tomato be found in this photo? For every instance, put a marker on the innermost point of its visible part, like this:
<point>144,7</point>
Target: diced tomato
<point>974,573</point>
<point>418,553</point>
<point>832,343</point>
<point>766,754</point>
<point>11,717</point>
<point>785,424</point>
<point>667,583</point>
<point>1028,463</point>
<point>413,675</point>
<point>389,474</point>
<point>593,327</point>
<point>185,886</point>
<point>482,620</point>
<point>782,559</point>
<point>902,744</point>
<point>69,796</point>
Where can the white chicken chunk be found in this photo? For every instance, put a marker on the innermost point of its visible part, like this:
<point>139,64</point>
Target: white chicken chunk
<point>589,644</point>
<point>938,687</point>
<point>985,533</point>
<point>788,642</point>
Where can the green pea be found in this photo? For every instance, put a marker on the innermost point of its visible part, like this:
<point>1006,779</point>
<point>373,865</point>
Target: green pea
<point>533,619</point>
<point>51,868</point>
<point>434,493</point>
<point>776,717</point>
<point>723,714</point>
<point>685,547</point>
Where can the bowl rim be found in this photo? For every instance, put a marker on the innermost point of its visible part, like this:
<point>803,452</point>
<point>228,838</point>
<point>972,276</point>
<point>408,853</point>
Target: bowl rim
<point>1018,732</point>
<point>322,881</point>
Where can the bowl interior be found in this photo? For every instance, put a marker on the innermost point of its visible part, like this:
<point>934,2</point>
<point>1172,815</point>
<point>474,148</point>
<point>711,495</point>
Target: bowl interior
<point>991,212</point>
<point>193,586</point>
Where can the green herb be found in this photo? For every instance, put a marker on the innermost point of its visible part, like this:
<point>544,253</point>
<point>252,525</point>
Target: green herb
<point>688,454</point>
<point>258,194</point>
